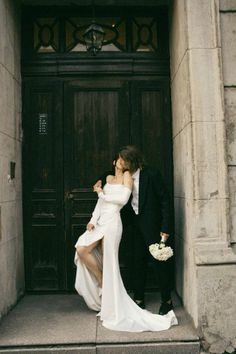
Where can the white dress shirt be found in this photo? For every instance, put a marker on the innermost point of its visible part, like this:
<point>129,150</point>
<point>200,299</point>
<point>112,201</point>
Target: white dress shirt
<point>135,192</point>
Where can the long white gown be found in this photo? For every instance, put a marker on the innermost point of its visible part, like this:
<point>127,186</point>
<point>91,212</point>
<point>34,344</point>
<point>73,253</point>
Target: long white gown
<point>117,310</point>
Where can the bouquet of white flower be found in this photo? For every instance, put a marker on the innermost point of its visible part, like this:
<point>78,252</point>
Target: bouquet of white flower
<point>160,252</point>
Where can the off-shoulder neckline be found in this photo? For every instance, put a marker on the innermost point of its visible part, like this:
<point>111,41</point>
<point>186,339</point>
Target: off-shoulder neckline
<point>118,184</point>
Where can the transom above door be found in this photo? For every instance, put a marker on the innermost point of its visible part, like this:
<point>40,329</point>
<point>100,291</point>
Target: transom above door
<point>127,30</point>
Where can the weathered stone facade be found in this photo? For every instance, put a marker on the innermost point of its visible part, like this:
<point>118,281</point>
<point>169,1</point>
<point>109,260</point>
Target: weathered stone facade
<point>228,39</point>
<point>11,235</point>
<point>204,181</point>
<point>203,91</point>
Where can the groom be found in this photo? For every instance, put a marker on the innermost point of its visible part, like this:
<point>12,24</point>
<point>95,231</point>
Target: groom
<point>149,219</point>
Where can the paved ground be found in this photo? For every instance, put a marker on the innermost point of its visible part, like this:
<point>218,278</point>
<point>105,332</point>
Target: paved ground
<point>60,319</point>
<point>62,324</point>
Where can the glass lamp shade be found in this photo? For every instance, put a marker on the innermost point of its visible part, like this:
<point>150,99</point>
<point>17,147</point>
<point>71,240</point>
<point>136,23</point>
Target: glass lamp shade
<point>93,37</point>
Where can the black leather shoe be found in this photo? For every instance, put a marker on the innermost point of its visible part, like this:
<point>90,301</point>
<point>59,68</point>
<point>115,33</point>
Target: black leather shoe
<point>165,308</point>
<point>140,303</point>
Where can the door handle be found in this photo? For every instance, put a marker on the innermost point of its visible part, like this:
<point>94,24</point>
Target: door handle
<point>69,195</point>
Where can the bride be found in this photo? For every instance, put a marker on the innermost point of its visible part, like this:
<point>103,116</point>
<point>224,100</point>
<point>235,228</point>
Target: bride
<point>98,278</point>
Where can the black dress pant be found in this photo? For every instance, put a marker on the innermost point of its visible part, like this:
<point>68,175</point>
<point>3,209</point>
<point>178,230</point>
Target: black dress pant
<point>163,270</point>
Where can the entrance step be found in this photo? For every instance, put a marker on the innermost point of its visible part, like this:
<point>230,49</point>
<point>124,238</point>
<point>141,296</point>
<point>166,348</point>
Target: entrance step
<point>47,324</point>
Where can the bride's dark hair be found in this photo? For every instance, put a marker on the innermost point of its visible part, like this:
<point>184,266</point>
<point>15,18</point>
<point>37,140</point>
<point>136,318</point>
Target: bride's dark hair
<point>115,158</point>
<point>133,156</point>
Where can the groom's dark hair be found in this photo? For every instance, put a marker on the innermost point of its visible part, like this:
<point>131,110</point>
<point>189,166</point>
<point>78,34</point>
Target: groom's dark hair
<point>133,156</point>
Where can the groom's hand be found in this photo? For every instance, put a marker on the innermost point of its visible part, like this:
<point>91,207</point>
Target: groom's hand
<point>164,236</point>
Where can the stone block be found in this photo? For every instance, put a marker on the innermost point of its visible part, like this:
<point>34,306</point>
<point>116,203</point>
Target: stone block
<point>3,16</point>
<point>183,168</point>
<point>57,350</point>
<point>179,264</point>
<point>10,37</point>
<point>7,108</point>
<point>209,160</point>
<point>49,320</point>
<point>9,189</point>
<point>150,348</point>
<point>180,96</point>
<point>178,35</point>
<point>206,219</point>
<point>189,278</point>
<point>232,189</point>
<point>182,215</point>
<point>11,220</point>
<point>227,5</point>
<point>17,181</point>
<point>6,146</point>
<point>216,304</point>
<point>230,118</point>
<point>206,85</point>
<point>228,39</point>
<point>15,8</point>
<point>7,39</point>
<point>17,97</point>
<point>8,292</point>
<point>203,18</point>
<point>184,257</point>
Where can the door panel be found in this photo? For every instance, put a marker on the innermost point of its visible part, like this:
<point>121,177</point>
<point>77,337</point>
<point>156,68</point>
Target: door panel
<point>43,188</point>
<point>96,123</point>
<point>151,132</point>
<point>151,124</point>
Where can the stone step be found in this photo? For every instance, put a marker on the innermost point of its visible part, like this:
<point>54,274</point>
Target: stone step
<point>47,324</point>
<point>122,348</point>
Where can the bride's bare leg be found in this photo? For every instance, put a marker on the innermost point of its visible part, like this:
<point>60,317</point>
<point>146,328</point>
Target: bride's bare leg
<point>84,252</point>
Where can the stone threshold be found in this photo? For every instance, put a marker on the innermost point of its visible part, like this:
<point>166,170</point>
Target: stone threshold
<point>63,324</point>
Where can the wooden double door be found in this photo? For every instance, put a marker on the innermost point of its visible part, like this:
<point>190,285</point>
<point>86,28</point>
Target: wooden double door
<point>72,129</point>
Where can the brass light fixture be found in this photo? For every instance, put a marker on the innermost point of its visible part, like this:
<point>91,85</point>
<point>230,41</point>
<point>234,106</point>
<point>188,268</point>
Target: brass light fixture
<point>94,36</point>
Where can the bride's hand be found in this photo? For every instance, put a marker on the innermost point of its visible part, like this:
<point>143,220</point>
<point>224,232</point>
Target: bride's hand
<point>97,189</point>
<point>98,184</point>
<point>90,227</point>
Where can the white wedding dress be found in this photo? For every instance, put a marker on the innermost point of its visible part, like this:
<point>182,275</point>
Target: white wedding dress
<point>117,310</point>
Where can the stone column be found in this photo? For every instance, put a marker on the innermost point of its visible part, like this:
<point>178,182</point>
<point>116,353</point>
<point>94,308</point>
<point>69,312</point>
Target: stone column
<point>11,235</point>
<point>205,258</point>
<point>228,40</point>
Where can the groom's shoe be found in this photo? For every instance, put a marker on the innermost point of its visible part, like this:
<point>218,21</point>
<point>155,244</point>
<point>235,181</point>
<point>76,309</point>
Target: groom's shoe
<point>165,308</point>
<point>140,303</point>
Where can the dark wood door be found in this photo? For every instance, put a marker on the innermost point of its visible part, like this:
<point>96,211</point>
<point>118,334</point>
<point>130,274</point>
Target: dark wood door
<point>43,185</point>
<point>71,137</point>
<point>151,124</point>
<point>96,123</point>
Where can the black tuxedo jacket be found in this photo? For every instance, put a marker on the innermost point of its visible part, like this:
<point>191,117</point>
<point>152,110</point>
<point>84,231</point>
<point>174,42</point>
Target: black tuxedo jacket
<point>154,206</point>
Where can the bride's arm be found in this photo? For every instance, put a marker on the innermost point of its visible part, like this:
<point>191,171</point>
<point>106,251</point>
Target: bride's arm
<point>96,213</point>
<point>121,198</point>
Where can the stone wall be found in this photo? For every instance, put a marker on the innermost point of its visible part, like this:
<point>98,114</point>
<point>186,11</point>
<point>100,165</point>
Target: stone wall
<point>11,235</point>
<point>182,153</point>
<point>228,39</point>
<point>204,181</point>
